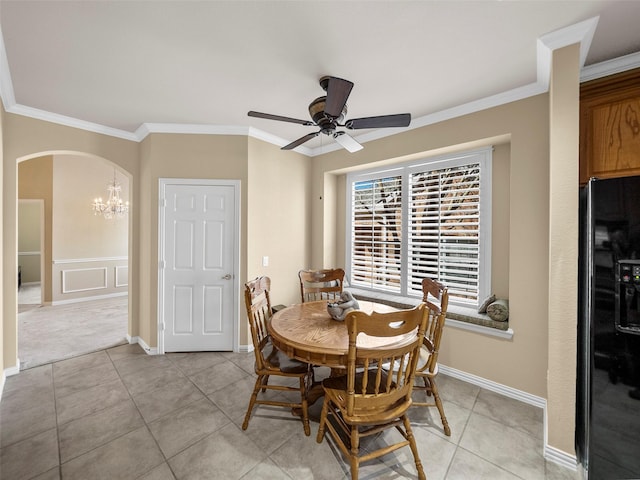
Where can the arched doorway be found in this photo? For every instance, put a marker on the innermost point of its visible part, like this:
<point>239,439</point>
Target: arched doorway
<point>85,283</point>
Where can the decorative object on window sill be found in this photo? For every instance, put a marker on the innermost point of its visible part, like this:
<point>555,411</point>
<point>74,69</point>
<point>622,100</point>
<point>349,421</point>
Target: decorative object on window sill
<point>499,310</point>
<point>115,206</point>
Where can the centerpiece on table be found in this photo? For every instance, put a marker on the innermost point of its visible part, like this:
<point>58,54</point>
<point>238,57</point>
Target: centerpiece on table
<point>340,309</point>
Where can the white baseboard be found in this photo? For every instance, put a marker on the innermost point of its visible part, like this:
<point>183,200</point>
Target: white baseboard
<point>143,344</point>
<point>89,299</point>
<point>494,386</point>
<point>550,453</point>
<point>8,372</point>
<point>245,348</point>
<point>563,459</point>
<point>13,370</point>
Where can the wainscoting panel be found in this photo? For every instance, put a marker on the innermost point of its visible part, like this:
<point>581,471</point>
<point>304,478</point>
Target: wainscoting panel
<point>122,276</point>
<point>83,279</point>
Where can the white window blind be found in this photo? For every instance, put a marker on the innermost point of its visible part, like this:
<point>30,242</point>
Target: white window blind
<point>430,218</point>
<point>444,230</point>
<point>376,232</point>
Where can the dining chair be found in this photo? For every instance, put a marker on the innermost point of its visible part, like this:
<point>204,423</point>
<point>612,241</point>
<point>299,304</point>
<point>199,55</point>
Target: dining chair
<point>269,360</point>
<point>436,296</point>
<point>371,398</point>
<point>324,284</point>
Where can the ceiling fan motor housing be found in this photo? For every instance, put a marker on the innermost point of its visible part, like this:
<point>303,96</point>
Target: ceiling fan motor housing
<point>326,122</point>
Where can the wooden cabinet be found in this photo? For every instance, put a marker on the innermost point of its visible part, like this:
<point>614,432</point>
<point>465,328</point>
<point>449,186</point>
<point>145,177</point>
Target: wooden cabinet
<point>610,126</point>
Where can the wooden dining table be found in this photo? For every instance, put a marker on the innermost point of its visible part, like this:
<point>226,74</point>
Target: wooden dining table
<point>306,332</point>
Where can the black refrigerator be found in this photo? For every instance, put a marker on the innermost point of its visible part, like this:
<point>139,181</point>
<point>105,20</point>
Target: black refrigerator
<point>608,387</point>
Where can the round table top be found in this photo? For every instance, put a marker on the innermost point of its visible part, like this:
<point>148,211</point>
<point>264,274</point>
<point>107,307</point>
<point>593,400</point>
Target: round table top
<point>306,332</point>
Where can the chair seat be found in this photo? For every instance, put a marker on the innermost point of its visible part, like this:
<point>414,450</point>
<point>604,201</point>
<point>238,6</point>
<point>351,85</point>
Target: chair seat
<point>340,383</point>
<point>336,389</point>
<point>276,360</point>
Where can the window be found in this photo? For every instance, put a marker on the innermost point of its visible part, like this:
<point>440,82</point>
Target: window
<point>430,218</point>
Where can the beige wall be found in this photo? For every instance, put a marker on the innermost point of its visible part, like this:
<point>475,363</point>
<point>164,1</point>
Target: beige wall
<point>182,156</point>
<point>35,181</point>
<point>30,230</point>
<point>30,138</point>
<point>520,132</point>
<point>563,246</point>
<point>67,185</point>
<point>77,232</point>
<point>278,218</point>
<point>89,252</point>
<point>3,323</point>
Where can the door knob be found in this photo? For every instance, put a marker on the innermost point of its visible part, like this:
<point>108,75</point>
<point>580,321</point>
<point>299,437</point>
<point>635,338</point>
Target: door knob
<point>227,277</point>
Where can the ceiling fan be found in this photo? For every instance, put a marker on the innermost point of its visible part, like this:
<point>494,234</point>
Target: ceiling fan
<point>328,113</point>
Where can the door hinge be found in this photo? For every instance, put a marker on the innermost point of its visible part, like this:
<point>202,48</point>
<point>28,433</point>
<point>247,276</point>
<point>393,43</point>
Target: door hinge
<point>161,264</point>
<point>161,327</point>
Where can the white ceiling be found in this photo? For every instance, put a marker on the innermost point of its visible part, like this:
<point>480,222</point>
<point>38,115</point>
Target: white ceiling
<point>130,67</point>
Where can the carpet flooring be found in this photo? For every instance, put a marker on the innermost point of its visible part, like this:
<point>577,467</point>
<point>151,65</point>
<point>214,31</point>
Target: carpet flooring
<point>49,333</point>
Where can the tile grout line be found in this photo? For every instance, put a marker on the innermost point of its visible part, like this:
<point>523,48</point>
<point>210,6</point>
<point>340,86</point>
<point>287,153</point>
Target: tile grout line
<point>144,421</point>
<point>500,467</point>
<point>84,416</point>
<point>464,429</point>
<point>55,412</point>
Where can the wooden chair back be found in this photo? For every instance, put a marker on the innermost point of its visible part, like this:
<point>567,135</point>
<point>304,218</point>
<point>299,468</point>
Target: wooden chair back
<point>436,297</point>
<point>382,392</point>
<point>321,284</point>
<point>258,303</point>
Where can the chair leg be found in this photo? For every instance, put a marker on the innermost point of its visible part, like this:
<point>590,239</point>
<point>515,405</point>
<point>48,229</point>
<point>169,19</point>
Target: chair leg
<point>354,468</point>
<point>265,380</point>
<point>427,386</point>
<point>355,449</point>
<point>252,401</point>
<point>305,406</point>
<point>436,396</point>
<point>323,419</point>
<point>413,446</point>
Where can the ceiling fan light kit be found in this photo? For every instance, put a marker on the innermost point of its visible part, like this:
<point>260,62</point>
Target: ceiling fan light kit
<point>329,111</point>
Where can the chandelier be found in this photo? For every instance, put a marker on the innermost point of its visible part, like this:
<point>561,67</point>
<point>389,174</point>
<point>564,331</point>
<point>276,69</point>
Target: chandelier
<point>114,207</point>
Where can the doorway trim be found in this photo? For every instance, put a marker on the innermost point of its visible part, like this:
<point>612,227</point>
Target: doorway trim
<point>162,184</point>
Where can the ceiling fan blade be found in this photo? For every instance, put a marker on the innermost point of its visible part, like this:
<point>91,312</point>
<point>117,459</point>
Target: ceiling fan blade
<point>269,116</point>
<point>300,141</point>
<point>338,91</point>
<point>347,141</point>
<point>399,120</point>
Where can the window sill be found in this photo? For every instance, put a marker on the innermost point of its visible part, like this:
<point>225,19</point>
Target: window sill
<point>457,317</point>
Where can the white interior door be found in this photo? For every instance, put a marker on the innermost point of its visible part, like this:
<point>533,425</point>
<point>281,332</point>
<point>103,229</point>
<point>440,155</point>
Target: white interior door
<point>198,266</point>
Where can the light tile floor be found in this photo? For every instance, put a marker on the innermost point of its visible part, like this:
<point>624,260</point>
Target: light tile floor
<point>121,414</point>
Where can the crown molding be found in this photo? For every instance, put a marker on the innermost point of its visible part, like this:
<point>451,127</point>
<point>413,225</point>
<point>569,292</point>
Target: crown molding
<point>69,121</point>
<point>186,128</point>
<point>610,67</point>
<point>448,114</point>
<point>581,33</point>
<point>6,85</point>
